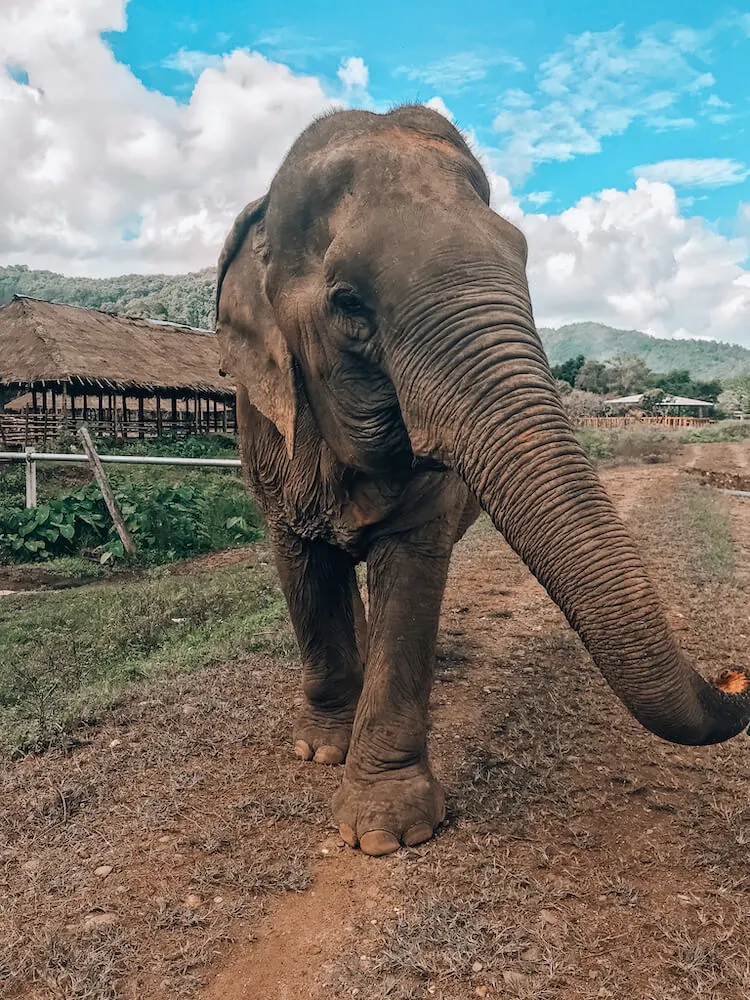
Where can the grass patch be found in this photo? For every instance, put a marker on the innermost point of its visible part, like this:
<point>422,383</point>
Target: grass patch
<point>646,443</point>
<point>708,543</point>
<point>74,568</point>
<point>723,431</point>
<point>651,443</point>
<point>66,656</point>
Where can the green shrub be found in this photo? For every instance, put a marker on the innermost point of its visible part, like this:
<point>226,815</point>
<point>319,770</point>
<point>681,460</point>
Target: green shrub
<point>724,430</point>
<point>192,446</point>
<point>644,443</point>
<point>166,522</point>
<point>597,443</point>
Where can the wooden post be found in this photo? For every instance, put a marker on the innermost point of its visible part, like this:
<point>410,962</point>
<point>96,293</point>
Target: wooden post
<point>101,477</point>
<point>124,416</point>
<point>64,405</point>
<point>158,415</point>
<point>34,400</point>
<point>30,479</point>
<point>141,417</point>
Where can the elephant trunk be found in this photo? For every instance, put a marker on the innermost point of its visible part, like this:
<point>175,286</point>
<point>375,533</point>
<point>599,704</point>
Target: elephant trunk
<point>476,393</point>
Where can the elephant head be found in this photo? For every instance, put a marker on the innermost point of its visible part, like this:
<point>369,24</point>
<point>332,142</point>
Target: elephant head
<point>375,278</point>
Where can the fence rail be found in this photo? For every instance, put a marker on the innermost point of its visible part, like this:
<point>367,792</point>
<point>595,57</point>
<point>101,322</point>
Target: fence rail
<point>637,421</point>
<point>28,428</point>
<point>31,457</point>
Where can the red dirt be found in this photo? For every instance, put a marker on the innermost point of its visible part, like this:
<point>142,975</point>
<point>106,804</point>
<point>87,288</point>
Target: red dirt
<point>581,857</point>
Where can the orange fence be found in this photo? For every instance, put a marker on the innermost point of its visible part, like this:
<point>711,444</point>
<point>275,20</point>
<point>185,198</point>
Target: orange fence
<point>664,421</point>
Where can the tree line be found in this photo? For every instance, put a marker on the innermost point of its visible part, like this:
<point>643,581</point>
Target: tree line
<point>590,383</point>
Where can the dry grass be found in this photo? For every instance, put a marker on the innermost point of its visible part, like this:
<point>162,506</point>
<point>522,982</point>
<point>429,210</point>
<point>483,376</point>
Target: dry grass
<point>189,792</point>
<point>581,859</point>
<point>67,656</point>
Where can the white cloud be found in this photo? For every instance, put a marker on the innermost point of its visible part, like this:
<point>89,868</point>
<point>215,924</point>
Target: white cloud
<point>456,73</point>
<point>538,198</point>
<point>596,86</point>
<point>191,61</point>
<point>99,175</point>
<point>354,74</point>
<point>438,104</point>
<point>632,260</point>
<point>711,172</point>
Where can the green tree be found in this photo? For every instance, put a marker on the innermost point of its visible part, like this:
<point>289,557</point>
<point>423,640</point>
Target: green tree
<point>651,399</point>
<point>736,395</point>
<point>628,374</point>
<point>593,377</point>
<point>568,370</point>
<point>679,382</point>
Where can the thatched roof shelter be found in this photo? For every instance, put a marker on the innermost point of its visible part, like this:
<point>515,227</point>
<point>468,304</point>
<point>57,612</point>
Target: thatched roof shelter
<point>62,364</point>
<point>45,342</point>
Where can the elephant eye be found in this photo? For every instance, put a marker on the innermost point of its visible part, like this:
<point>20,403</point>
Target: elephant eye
<point>347,301</point>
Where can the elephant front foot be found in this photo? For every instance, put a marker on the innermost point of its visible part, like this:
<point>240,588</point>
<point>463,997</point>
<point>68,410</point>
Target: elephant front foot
<point>323,737</point>
<point>398,807</point>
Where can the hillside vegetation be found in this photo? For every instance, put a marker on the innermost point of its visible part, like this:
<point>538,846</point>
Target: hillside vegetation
<point>707,359</point>
<point>189,299</point>
<point>179,298</point>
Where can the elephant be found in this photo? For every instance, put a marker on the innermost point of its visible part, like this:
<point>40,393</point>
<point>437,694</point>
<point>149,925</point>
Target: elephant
<point>374,313</point>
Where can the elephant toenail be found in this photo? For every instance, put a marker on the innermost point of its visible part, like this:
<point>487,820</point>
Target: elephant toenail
<point>417,834</point>
<point>378,843</point>
<point>303,750</point>
<point>348,835</point>
<point>329,755</point>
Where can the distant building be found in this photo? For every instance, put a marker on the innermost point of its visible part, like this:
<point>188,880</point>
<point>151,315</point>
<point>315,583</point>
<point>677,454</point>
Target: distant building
<point>61,365</point>
<point>675,406</point>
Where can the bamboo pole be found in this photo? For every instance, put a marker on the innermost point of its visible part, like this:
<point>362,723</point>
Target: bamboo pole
<point>109,497</point>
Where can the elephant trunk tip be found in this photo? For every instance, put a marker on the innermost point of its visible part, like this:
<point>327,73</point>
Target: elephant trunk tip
<point>732,681</point>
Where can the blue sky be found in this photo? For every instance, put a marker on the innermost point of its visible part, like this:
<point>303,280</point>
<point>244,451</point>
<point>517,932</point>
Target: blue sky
<point>416,51</point>
<point>615,136</point>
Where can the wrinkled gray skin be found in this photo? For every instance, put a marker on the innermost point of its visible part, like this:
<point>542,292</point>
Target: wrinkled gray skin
<point>375,314</point>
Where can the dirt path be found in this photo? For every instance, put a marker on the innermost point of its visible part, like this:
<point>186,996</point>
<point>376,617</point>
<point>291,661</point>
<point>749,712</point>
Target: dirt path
<point>303,932</point>
<point>581,857</point>
<point>493,606</point>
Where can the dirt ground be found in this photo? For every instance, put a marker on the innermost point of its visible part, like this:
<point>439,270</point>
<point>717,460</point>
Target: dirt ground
<point>180,850</point>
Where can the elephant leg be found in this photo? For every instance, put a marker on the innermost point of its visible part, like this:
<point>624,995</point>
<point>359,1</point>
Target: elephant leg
<point>326,609</point>
<point>389,794</point>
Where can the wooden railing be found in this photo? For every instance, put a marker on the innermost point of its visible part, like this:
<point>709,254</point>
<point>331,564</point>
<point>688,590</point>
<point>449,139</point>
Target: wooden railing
<point>27,428</point>
<point>660,421</point>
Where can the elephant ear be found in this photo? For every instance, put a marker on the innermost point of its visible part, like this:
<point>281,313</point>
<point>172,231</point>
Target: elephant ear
<point>253,348</point>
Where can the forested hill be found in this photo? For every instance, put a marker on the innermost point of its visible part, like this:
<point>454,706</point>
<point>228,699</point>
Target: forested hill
<point>189,299</point>
<point>180,298</point>
<point>704,359</point>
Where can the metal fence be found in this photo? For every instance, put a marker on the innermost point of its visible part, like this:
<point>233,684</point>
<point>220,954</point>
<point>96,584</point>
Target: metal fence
<point>31,457</point>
